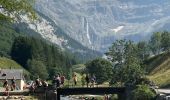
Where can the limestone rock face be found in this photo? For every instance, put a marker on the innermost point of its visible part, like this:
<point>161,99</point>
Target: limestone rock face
<point>97,23</point>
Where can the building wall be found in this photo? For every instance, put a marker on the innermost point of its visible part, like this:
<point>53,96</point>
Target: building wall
<point>22,84</point>
<point>19,83</point>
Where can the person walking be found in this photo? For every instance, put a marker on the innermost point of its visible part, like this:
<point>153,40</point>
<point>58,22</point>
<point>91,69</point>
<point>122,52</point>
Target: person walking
<point>54,82</point>
<point>38,82</point>
<point>106,97</point>
<point>75,79</point>
<point>6,86</point>
<point>93,81</point>
<point>13,84</point>
<point>87,80</point>
<point>62,80</point>
<point>58,81</point>
<point>44,83</point>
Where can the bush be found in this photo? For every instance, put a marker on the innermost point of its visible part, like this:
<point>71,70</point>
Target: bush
<point>101,68</point>
<point>142,92</point>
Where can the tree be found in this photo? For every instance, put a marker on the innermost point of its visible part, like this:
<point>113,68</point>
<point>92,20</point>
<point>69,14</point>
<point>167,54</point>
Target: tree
<point>116,52</point>
<point>13,8</point>
<point>101,68</point>
<point>155,43</point>
<point>126,69</point>
<point>21,50</point>
<point>143,50</point>
<point>165,41</point>
<point>37,69</point>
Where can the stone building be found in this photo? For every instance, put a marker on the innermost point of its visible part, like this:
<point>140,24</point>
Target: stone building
<point>9,74</point>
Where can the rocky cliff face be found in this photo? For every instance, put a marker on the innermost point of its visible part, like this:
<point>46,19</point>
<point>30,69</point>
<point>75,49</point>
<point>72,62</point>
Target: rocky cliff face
<point>97,23</point>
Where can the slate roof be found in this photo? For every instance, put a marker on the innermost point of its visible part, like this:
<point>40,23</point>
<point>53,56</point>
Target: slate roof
<point>10,73</point>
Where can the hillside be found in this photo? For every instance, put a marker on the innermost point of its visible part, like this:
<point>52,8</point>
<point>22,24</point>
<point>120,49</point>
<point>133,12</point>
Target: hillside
<point>6,63</point>
<point>79,68</point>
<point>7,35</point>
<point>158,68</point>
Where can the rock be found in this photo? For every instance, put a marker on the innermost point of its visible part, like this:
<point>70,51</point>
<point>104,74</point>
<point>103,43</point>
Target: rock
<point>15,97</point>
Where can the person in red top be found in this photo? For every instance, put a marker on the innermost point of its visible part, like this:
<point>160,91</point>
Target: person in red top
<point>62,80</point>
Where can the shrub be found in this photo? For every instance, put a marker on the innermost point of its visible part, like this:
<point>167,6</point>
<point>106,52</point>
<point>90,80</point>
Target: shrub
<point>142,92</point>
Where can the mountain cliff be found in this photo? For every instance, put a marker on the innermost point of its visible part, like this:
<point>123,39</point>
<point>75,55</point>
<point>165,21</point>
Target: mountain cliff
<point>44,27</point>
<point>97,23</point>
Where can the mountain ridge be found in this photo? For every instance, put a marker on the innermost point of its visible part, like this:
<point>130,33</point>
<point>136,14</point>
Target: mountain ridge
<point>47,29</point>
<point>97,23</point>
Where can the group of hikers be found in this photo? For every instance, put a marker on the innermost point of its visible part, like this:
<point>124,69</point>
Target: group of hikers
<point>38,83</point>
<point>59,80</point>
<point>89,80</point>
<point>9,85</point>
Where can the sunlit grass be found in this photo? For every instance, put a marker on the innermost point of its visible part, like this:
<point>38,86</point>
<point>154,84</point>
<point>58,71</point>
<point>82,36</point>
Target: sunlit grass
<point>162,79</point>
<point>7,63</point>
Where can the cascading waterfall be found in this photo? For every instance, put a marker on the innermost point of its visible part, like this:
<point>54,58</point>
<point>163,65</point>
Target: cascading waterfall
<point>87,32</point>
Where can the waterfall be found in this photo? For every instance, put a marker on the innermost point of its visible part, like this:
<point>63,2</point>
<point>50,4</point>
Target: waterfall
<point>87,32</point>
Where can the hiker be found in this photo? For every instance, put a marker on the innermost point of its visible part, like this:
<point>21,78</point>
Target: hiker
<point>106,97</point>
<point>93,80</point>
<point>13,84</point>
<point>44,83</point>
<point>87,80</point>
<point>6,86</point>
<point>38,82</point>
<point>32,87</point>
<point>53,80</point>
<point>58,81</point>
<point>75,79</point>
<point>62,80</point>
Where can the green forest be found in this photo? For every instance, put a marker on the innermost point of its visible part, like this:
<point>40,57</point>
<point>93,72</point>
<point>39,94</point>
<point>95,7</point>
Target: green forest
<point>36,55</point>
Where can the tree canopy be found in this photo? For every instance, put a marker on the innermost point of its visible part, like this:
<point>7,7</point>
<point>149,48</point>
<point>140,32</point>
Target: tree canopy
<point>124,56</point>
<point>165,41</point>
<point>11,9</point>
<point>31,52</point>
<point>101,68</point>
<point>38,69</point>
<point>155,43</point>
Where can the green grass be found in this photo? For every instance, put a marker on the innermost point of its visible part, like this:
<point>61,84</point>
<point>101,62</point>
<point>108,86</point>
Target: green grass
<point>79,68</point>
<point>6,63</point>
<point>161,78</point>
<point>159,69</point>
